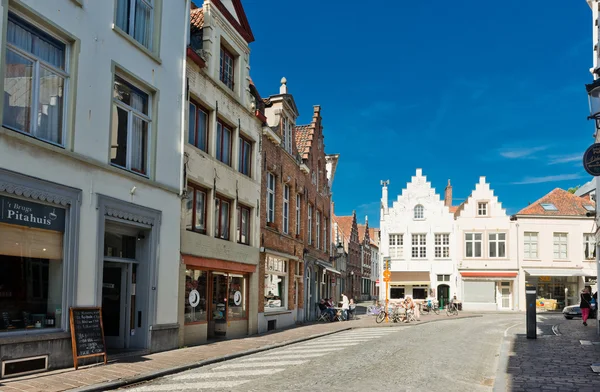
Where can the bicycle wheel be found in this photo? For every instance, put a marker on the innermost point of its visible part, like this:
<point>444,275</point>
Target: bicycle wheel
<point>436,310</point>
<point>380,317</point>
<point>448,311</point>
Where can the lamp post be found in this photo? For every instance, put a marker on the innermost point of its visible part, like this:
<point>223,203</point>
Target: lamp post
<point>593,91</point>
<point>352,283</point>
<point>386,279</point>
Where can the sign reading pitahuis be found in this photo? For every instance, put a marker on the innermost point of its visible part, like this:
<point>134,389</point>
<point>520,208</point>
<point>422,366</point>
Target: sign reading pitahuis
<point>25,213</point>
<point>591,159</point>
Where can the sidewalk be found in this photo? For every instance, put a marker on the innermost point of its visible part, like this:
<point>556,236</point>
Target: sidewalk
<point>559,363</point>
<point>136,369</point>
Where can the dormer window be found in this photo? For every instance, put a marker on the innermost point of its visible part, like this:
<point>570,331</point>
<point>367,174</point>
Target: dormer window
<point>287,134</point>
<point>482,208</point>
<point>226,67</point>
<point>419,212</point>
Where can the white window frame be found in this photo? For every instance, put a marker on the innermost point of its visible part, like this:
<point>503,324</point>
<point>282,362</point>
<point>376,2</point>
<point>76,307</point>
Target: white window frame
<point>131,23</point>
<point>474,241</point>
<point>310,211</point>
<point>530,241</point>
<point>418,246</point>
<point>298,214</point>
<point>287,135</point>
<point>482,208</point>
<point>396,246</point>
<point>419,212</point>
<point>589,240</point>
<point>443,278</point>
<point>442,246</point>
<point>286,209</point>
<point>131,112</point>
<point>39,64</point>
<point>270,197</point>
<point>494,242</point>
<point>560,242</point>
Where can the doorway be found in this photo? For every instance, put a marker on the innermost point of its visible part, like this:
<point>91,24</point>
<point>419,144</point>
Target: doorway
<point>443,295</point>
<point>308,306</point>
<point>217,316</point>
<point>114,304</point>
<point>504,295</point>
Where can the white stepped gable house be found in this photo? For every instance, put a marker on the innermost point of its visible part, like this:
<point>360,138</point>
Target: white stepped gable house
<point>486,257</point>
<point>417,233</point>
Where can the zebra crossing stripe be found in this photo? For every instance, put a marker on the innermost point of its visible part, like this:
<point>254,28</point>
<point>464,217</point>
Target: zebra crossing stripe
<point>195,386</point>
<point>258,364</point>
<point>306,350</point>
<point>233,373</point>
<point>316,345</point>
<point>285,355</point>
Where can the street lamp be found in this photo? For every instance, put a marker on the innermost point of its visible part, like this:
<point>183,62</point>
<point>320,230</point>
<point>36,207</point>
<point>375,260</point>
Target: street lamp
<point>339,250</point>
<point>352,283</point>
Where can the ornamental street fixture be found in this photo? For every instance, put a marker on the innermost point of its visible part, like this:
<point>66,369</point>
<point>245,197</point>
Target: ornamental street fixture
<point>386,278</point>
<point>593,91</point>
<point>340,252</point>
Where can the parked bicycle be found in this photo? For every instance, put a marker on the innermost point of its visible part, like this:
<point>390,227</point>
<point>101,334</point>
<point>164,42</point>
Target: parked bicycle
<point>429,307</point>
<point>374,310</point>
<point>452,310</point>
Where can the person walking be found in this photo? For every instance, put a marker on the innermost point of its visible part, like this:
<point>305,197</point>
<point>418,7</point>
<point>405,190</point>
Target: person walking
<point>585,304</point>
<point>345,307</point>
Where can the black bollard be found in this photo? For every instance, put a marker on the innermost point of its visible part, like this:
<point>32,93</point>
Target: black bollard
<point>530,297</point>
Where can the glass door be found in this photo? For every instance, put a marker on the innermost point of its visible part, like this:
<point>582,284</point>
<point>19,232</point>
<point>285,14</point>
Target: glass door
<point>217,325</point>
<point>505,295</point>
<point>114,300</point>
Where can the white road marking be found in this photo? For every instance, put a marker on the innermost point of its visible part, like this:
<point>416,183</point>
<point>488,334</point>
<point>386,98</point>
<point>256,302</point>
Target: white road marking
<point>258,364</point>
<point>233,373</point>
<point>306,350</point>
<point>194,385</point>
<point>284,356</point>
<point>317,345</point>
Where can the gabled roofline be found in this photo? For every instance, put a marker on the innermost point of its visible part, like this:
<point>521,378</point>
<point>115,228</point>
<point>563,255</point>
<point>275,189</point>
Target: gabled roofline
<point>243,26</point>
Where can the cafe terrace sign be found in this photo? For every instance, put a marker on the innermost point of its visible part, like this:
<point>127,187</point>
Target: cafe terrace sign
<point>591,160</point>
<point>25,213</point>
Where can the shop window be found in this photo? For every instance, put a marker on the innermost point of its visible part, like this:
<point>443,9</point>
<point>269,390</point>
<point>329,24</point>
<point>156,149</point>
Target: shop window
<point>196,289</point>
<point>419,293</point>
<point>238,297</point>
<point>31,265</point>
<point>275,283</point>
<point>396,292</point>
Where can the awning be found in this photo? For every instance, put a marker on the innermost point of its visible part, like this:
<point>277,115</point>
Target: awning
<point>409,278</point>
<point>557,272</point>
<point>475,274</point>
<point>218,265</point>
<point>333,270</point>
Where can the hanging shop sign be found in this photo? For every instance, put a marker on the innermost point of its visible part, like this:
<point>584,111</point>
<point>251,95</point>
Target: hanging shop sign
<point>26,213</point>
<point>591,159</point>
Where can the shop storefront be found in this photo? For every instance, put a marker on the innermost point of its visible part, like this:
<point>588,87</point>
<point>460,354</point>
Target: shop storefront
<point>38,242</point>
<point>557,288</point>
<point>409,284</point>
<point>488,290</point>
<point>216,299</point>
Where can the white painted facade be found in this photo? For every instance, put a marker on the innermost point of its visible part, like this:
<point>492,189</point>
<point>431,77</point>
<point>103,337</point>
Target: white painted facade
<point>148,205</point>
<point>541,267</point>
<point>486,252</point>
<point>418,215</point>
<point>375,268</point>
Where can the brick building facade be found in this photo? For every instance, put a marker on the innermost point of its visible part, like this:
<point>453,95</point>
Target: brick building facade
<point>347,233</point>
<point>365,261</point>
<point>294,215</point>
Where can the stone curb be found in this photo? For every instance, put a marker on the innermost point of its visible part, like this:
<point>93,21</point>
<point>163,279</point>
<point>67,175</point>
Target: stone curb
<point>177,369</point>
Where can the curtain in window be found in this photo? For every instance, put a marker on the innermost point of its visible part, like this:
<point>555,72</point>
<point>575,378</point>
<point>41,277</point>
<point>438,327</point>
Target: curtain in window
<point>123,15</point>
<point>138,135</point>
<point>50,106</point>
<point>47,50</point>
<point>142,31</point>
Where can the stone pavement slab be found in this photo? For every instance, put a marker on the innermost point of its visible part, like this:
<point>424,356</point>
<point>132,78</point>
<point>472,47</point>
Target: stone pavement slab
<point>142,368</point>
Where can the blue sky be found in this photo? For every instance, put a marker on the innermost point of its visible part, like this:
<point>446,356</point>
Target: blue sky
<point>461,89</point>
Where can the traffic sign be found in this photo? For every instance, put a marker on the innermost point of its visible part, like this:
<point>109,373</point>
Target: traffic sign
<point>387,274</point>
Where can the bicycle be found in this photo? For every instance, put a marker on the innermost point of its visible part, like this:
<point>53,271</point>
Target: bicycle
<point>451,310</point>
<point>374,310</point>
<point>426,309</point>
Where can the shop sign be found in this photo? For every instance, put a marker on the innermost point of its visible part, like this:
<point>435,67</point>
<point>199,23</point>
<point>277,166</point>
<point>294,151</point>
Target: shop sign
<point>237,298</point>
<point>545,278</point>
<point>194,298</point>
<point>25,213</point>
<point>591,159</point>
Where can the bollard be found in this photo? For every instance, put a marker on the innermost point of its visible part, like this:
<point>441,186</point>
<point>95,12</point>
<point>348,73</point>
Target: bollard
<point>530,297</point>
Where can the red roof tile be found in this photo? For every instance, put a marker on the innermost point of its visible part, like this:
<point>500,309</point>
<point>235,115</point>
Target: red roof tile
<point>304,136</point>
<point>197,19</point>
<point>567,204</point>
<point>344,224</point>
<point>453,209</point>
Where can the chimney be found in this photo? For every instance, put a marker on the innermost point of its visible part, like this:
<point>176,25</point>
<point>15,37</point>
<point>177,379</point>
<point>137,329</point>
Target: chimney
<point>448,195</point>
<point>384,198</point>
<point>283,87</point>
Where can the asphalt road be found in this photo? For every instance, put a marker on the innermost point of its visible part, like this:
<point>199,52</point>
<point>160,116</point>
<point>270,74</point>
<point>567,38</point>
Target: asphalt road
<point>453,355</point>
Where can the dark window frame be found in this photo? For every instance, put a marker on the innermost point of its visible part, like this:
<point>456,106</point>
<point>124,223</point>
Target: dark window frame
<point>218,202</point>
<point>199,107</point>
<point>240,209</point>
<point>224,54</point>
<point>243,141</point>
<point>205,191</point>
<point>220,139</point>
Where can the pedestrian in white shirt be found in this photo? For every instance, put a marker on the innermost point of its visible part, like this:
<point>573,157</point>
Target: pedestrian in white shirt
<point>345,306</point>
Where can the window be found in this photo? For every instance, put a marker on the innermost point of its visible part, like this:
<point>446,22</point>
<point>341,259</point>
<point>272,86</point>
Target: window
<point>589,246</point>
<point>226,67</point>
<point>310,212</point>
<point>419,212</point>
<point>419,246</point>
<point>136,18</point>
<point>31,267</point>
<point>196,209</point>
<point>286,209</point>
<point>224,143</point>
<point>560,246</point>
<point>473,244</point>
<point>443,278</point>
<point>531,245</point>
<point>198,126</point>
<point>497,244</point>
<point>318,229</point>
<point>442,246</point>
<point>298,214</point>
<point>590,208</point>
<point>245,156</point>
<point>482,209</point>
<point>237,303</point>
<point>221,218</point>
<point>325,231</point>
<point>270,197</point>
<point>243,226</point>
<point>549,207</point>
<point>275,283</point>
<point>35,80</point>
<point>195,280</point>
<point>287,135</point>
<point>396,242</point>
<point>129,137</point>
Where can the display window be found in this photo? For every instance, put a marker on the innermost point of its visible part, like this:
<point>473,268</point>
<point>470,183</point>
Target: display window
<point>196,290</point>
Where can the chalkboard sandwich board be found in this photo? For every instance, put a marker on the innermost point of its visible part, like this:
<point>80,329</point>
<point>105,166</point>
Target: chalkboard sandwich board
<point>87,333</point>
